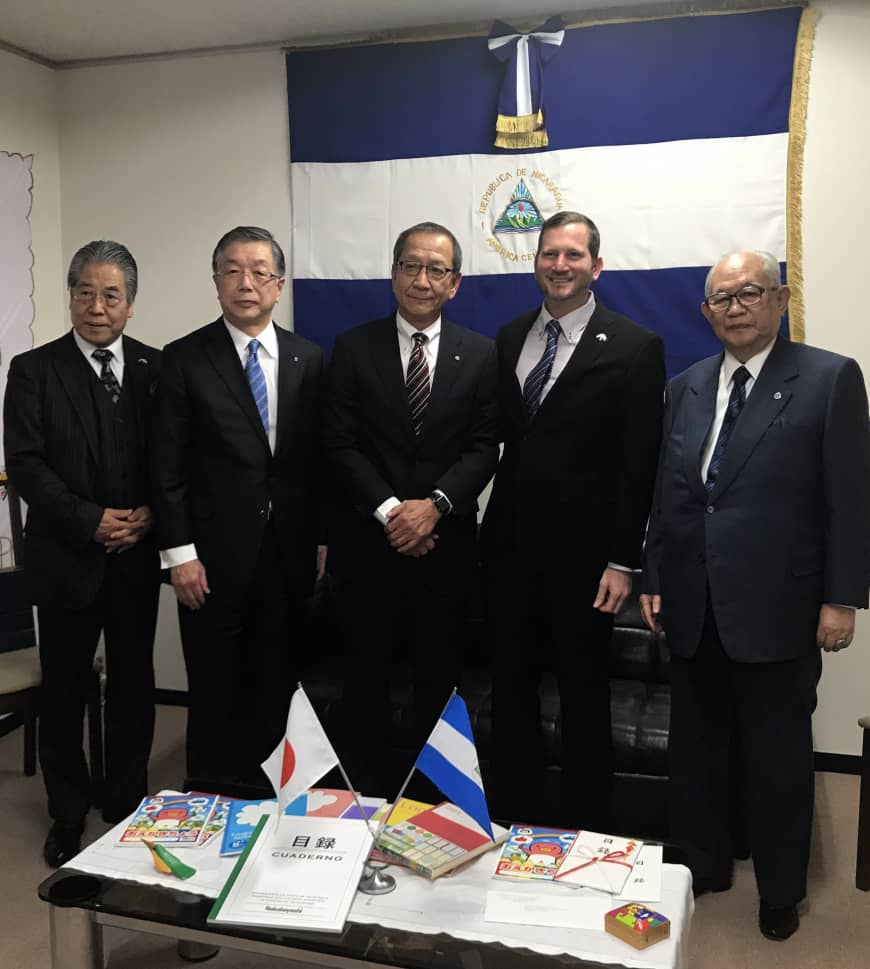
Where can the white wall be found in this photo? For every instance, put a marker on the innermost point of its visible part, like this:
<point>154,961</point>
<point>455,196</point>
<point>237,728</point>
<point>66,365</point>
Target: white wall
<point>167,155</point>
<point>836,218</point>
<point>29,126</point>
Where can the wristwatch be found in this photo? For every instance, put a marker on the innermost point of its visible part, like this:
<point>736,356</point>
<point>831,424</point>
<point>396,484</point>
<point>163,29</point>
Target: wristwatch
<point>441,502</point>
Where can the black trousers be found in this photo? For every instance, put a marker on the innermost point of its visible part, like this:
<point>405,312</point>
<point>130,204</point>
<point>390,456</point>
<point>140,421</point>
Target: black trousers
<point>768,707</point>
<point>125,611</point>
<point>538,622</point>
<point>241,674</point>
<point>399,608</point>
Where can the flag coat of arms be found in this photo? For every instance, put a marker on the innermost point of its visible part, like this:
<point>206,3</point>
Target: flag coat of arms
<point>303,755</point>
<point>449,760</point>
<point>677,153</point>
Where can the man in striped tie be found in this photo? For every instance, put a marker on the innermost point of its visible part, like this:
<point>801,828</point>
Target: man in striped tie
<point>237,464</point>
<point>410,433</point>
<point>580,393</point>
<point>756,560</point>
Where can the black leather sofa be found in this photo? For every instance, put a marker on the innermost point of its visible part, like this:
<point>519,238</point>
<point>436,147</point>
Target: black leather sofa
<point>640,707</point>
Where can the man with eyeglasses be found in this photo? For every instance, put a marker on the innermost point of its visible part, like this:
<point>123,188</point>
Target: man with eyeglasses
<point>581,392</point>
<point>237,468</point>
<point>77,440</point>
<point>410,434</point>
<point>756,560</point>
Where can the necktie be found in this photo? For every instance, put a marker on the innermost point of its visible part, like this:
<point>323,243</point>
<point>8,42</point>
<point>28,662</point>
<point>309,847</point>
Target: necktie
<point>417,381</point>
<point>732,412</point>
<point>107,377</point>
<point>540,373</point>
<point>257,383</point>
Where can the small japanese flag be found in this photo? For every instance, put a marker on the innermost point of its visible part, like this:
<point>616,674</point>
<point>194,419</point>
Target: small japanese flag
<point>303,755</point>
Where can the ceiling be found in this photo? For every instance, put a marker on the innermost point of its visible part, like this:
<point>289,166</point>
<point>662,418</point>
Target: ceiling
<point>65,32</point>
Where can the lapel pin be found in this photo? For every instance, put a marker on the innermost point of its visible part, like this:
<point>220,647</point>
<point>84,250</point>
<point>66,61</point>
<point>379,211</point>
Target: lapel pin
<point>601,336</point>
<point>295,359</point>
<point>457,357</point>
<point>141,360</point>
<point>777,396</point>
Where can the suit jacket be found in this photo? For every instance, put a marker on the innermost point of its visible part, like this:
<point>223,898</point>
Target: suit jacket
<point>573,487</point>
<point>787,525</point>
<point>52,454</point>
<point>216,480</point>
<point>370,441</point>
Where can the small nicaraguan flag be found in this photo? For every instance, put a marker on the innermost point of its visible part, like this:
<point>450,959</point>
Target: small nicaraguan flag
<point>449,760</point>
<point>303,755</point>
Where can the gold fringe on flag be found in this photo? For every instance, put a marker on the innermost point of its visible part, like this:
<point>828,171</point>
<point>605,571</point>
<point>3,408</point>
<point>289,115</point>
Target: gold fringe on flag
<point>522,139</point>
<point>509,124</point>
<point>797,133</point>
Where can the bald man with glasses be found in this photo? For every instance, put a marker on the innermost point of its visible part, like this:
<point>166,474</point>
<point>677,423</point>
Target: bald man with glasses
<point>756,560</point>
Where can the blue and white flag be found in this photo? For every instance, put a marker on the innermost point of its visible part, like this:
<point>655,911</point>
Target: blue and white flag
<point>671,134</point>
<point>449,760</point>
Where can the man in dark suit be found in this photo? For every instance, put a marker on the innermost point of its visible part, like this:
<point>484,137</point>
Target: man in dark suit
<point>580,393</point>
<point>236,469</point>
<point>76,438</point>
<point>410,436</point>
<point>756,560</point>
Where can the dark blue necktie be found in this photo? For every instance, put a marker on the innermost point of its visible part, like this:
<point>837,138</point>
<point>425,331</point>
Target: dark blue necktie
<point>732,412</point>
<point>257,382</point>
<point>540,373</point>
<point>107,377</point>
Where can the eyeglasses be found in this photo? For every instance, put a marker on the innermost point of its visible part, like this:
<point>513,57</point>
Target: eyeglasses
<point>259,277</point>
<point>435,273</point>
<point>748,296</point>
<point>86,296</point>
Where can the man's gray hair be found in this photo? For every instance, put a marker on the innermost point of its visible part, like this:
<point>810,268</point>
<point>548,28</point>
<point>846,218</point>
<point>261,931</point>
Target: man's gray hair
<point>769,264</point>
<point>105,250</point>
<point>249,233</point>
<point>561,219</point>
<point>435,229</point>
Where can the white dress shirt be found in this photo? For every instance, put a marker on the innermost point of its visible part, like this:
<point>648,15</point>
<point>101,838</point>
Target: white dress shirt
<point>430,349</point>
<point>116,363</point>
<point>726,381</point>
<point>573,324</point>
<point>267,354</point>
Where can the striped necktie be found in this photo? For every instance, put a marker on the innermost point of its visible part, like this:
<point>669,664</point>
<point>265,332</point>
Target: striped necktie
<point>417,381</point>
<point>732,412</point>
<point>107,377</point>
<point>540,373</point>
<point>257,383</point>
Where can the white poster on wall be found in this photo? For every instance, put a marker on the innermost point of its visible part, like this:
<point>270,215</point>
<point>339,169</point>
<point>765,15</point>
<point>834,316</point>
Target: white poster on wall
<point>16,290</point>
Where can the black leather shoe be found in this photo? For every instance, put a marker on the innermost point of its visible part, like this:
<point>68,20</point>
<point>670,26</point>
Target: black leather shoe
<point>64,842</point>
<point>719,883</point>
<point>777,922</point>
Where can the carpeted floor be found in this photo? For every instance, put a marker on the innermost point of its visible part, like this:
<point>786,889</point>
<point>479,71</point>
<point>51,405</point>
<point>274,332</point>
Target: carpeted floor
<point>834,933</point>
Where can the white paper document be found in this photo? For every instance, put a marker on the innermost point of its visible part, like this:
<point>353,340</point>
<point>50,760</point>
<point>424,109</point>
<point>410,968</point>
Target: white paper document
<point>304,875</point>
<point>601,861</point>
<point>645,881</point>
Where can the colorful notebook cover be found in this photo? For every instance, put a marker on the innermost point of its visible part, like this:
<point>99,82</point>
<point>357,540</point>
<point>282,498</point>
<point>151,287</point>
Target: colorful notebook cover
<point>533,852</point>
<point>436,841</point>
<point>170,819</point>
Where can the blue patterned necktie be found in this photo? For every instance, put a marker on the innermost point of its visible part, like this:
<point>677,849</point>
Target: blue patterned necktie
<point>257,383</point>
<point>540,373</point>
<point>732,412</point>
<point>107,377</point>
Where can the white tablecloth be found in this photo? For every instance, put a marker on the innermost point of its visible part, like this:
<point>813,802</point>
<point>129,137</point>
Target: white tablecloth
<point>453,904</point>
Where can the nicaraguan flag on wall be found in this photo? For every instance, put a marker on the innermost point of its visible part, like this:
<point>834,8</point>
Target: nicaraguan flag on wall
<point>449,760</point>
<point>672,135</point>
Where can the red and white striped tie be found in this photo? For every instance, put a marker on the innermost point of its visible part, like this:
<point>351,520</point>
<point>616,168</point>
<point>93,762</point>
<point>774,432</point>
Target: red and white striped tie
<point>417,381</point>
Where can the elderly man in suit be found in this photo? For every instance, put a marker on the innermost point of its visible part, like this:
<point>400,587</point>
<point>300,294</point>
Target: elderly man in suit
<point>410,435</point>
<point>581,395</point>
<point>76,438</point>
<point>237,470</point>
<point>756,560</point>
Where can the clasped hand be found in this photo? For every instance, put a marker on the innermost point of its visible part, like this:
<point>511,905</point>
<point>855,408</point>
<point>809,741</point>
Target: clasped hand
<point>410,527</point>
<point>121,528</point>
